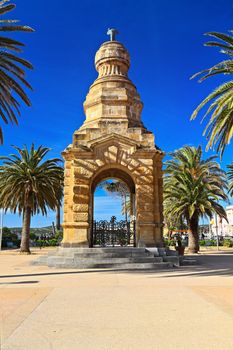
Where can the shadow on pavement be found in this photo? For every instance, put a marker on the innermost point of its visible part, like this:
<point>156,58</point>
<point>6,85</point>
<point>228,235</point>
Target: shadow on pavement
<point>19,282</point>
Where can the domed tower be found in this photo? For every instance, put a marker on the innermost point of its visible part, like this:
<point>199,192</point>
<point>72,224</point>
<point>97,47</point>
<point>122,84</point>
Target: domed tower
<point>113,97</point>
<point>112,142</point>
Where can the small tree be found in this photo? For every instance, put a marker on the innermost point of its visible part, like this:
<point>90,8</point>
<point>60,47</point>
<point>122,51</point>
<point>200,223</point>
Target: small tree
<point>29,185</point>
<point>9,237</point>
<point>192,188</point>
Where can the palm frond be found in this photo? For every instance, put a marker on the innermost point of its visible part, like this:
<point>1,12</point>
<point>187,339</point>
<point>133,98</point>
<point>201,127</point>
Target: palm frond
<point>193,186</point>
<point>219,128</point>
<point>12,76</point>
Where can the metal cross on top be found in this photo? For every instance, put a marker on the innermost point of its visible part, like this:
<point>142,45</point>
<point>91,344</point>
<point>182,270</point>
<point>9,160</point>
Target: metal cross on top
<point>112,33</point>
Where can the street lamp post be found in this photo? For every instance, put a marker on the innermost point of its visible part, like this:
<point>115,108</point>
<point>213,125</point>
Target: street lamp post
<point>216,221</point>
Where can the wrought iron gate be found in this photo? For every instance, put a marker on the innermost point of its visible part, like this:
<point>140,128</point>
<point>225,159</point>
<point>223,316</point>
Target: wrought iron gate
<point>113,233</point>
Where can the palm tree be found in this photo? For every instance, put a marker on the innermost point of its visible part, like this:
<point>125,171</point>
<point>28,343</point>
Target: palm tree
<point>29,185</point>
<point>220,126</point>
<point>192,188</point>
<point>172,223</point>
<point>120,189</point>
<point>12,74</point>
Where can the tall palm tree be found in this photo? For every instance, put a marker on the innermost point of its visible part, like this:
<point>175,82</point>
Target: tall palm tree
<point>173,223</point>
<point>29,185</point>
<point>120,189</point>
<point>192,188</point>
<point>12,74</point>
<point>219,129</point>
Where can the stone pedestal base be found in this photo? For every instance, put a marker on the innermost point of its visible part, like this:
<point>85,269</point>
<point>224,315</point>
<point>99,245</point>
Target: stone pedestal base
<point>102,258</point>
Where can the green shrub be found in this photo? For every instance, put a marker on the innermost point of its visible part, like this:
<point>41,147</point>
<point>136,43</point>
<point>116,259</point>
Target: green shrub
<point>227,243</point>
<point>208,242</point>
<point>9,237</point>
<point>59,235</point>
<point>33,236</point>
<point>172,243</point>
<point>169,242</point>
<point>213,242</point>
<point>53,242</point>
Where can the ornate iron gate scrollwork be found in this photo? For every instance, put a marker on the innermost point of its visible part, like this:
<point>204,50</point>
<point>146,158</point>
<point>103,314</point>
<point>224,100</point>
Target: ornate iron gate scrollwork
<point>113,233</point>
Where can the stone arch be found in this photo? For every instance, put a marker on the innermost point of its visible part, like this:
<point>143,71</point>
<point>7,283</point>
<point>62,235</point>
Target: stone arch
<point>107,172</point>
<point>115,171</point>
<point>111,156</point>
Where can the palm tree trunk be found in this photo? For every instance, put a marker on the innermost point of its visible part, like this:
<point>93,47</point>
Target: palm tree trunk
<point>24,246</point>
<point>58,217</point>
<point>193,244</point>
<point>126,214</point>
<point>124,207</point>
<point>169,234</point>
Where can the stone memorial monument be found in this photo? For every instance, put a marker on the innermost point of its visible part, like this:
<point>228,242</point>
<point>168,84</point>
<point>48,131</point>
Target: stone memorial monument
<point>112,143</point>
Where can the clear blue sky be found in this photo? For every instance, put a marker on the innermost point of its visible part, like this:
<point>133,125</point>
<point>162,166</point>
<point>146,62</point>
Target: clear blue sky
<point>165,40</point>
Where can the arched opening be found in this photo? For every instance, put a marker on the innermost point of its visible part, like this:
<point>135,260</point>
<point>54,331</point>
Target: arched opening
<point>112,210</point>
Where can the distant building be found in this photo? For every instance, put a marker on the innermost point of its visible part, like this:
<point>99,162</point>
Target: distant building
<point>223,228</point>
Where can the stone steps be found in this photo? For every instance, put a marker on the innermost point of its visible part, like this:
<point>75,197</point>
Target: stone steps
<point>76,262</point>
<point>188,261</point>
<point>119,266</point>
<point>132,266</point>
<point>109,255</point>
<point>109,258</point>
<point>121,250</point>
<point>175,260</point>
<point>119,259</point>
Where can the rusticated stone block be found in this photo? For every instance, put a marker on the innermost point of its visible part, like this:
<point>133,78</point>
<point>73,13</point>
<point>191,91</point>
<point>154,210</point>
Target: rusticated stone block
<point>80,217</point>
<point>146,216</point>
<point>144,180</point>
<point>84,172</point>
<point>67,173</point>
<point>80,207</point>
<point>89,165</point>
<point>66,190</point>
<point>146,161</point>
<point>145,206</point>
<point>145,170</point>
<point>81,199</point>
<point>144,188</point>
<point>81,181</point>
<point>81,189</point>
<point>100,162</point>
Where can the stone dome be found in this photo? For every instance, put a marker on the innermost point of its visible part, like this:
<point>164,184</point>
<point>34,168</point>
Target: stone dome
<point>112,58</point>
<point>113,98</point>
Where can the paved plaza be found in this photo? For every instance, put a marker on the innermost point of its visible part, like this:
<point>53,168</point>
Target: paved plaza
<point>186,308</point>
